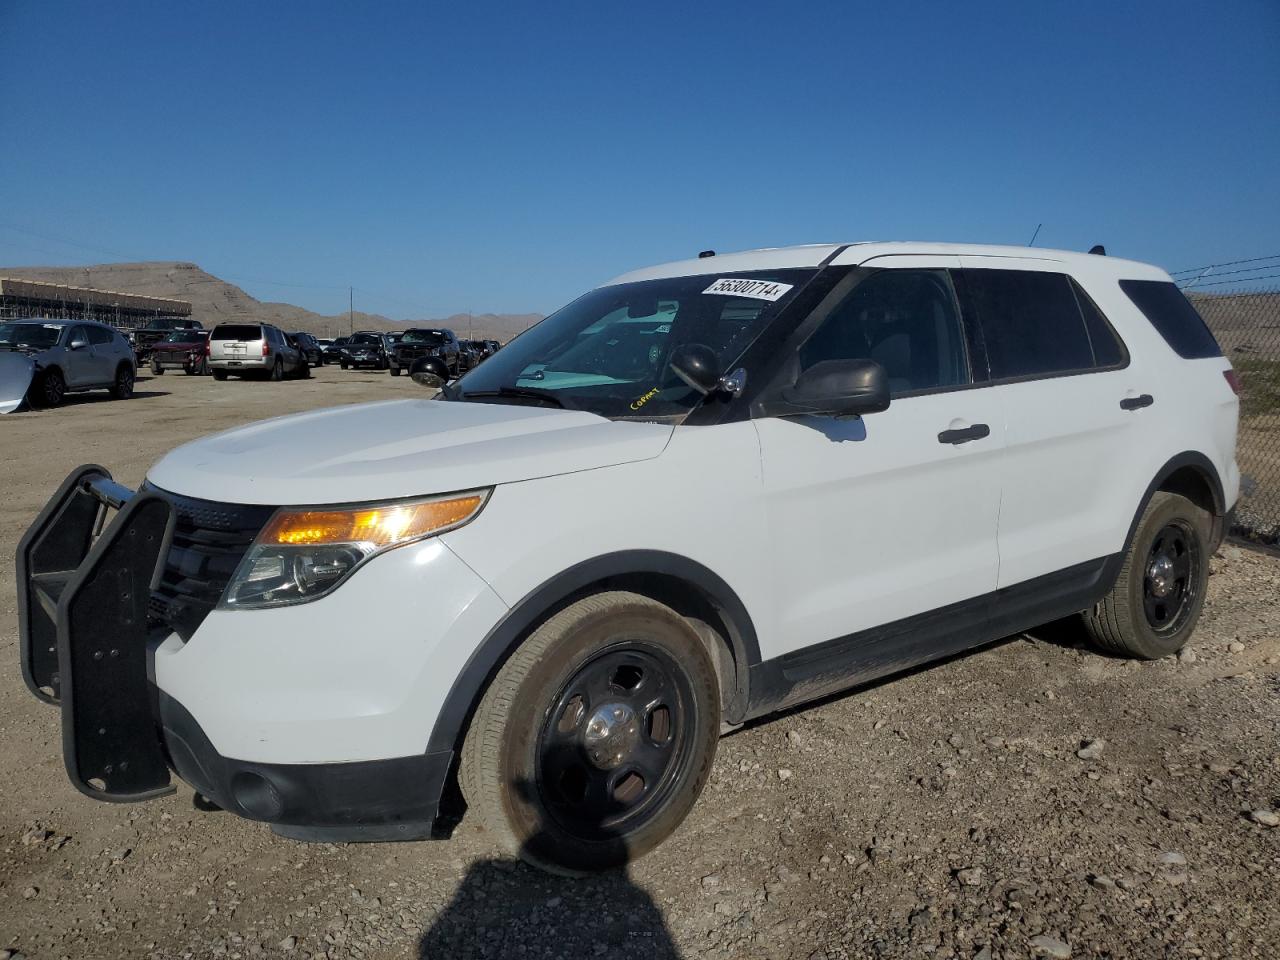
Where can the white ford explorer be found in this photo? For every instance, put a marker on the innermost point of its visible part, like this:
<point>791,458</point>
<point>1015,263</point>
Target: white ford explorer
<point>697,494</point>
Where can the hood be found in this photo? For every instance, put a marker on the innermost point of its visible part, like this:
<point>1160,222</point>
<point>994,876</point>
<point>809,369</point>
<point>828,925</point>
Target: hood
<point>399,448</point>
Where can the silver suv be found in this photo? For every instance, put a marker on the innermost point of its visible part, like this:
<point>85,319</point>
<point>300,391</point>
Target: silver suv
<point>255,348</point>
<point>71,356</point>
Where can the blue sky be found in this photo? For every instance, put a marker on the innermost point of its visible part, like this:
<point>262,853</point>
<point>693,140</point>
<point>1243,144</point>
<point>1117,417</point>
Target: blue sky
<point>504,157</point>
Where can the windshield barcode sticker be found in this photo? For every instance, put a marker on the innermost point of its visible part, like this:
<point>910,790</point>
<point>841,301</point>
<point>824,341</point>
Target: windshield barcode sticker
<point>755,289</point>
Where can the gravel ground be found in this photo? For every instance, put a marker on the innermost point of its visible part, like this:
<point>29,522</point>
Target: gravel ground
<point>1034,799</point>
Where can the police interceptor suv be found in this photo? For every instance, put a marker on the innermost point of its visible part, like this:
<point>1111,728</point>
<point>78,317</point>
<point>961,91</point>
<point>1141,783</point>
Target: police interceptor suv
<point>700,493</point>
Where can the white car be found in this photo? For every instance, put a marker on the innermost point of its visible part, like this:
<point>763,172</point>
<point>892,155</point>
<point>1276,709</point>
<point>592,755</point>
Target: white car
<point>700,493</point>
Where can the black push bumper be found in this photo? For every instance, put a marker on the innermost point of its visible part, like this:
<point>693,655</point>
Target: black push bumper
<point>87,645</point>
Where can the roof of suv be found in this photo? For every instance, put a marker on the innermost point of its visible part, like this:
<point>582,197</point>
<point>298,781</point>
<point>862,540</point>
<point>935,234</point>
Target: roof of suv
<point>813,255</point>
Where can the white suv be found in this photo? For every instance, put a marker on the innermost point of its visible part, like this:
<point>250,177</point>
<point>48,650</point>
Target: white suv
<point>699,493</point>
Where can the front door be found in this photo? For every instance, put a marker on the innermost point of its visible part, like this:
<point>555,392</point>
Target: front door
<point>882,518</point>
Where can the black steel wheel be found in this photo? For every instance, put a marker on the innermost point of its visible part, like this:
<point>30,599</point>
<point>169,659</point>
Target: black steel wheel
<point>595,738</point>
<point>1170,584</point>
<point>614,739</point>
<point>1158,594</point>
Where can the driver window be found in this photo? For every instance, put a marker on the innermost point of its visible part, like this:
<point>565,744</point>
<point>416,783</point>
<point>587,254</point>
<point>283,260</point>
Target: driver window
<point>905,320</point>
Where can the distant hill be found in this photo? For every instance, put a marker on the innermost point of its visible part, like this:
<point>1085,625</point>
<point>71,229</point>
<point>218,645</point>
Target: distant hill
<point>214,300</point>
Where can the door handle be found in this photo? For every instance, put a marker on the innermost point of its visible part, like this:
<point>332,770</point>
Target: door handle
<point>965,434</point>
<point>1138,402</point>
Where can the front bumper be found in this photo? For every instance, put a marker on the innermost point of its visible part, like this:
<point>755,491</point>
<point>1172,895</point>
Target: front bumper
<point>88,645</point>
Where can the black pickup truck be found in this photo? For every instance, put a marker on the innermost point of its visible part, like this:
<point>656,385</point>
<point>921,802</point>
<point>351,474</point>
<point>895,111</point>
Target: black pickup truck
<point>422,342</point>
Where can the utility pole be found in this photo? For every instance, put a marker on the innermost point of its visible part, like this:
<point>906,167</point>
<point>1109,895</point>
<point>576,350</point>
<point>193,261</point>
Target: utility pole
<point>351,310</point>
<point>471,326</point>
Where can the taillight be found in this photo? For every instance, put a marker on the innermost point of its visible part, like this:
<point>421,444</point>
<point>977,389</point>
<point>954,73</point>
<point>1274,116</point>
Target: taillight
<point>1232,380</point>
<point>207,352</point>
<point>265,349</point>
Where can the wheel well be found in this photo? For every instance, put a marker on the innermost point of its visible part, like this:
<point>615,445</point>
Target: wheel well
<point>701,611</point>
<point>1191,482</point>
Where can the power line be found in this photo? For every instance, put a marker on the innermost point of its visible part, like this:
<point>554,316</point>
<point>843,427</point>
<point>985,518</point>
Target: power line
<point>1229,263</point>
<point>1228,273</point>
<point>1217,283</point>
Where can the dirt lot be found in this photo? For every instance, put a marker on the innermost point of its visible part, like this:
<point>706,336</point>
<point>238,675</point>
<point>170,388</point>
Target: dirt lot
<point>944,814</point>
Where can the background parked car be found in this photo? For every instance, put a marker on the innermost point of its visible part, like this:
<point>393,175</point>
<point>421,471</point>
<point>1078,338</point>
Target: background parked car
<point>71,356</point>
<point>310,346</point>
<point>145,338</point>
<point>181,350</point>
<point>424,342</point>
<point>365,349</point>
<point>333,349</point>
<point>468,355</point>
<point>255,348</point>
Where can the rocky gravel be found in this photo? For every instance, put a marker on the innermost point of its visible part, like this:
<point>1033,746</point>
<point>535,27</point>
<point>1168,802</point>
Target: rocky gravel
<point>1033,799</point>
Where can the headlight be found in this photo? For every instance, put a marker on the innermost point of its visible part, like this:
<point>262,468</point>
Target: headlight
<point>304,553</point>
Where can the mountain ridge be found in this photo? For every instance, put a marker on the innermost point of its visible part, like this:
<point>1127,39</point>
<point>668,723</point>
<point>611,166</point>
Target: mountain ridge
<point>214,300</point>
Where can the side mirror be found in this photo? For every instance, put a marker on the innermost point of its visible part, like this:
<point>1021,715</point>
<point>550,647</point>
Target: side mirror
<point>77,344</point>
<point>429,372</point>
<point>840,388</point>
<point>698,366</point>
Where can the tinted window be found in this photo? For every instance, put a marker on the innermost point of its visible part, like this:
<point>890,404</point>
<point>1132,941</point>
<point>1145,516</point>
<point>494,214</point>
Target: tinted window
<point>905,320</point>
<point>1174,317</point>
<point>237,331</point>
<point>1031,322</point>
<point>78,335</point>
<point>1108,351</point>
<point>100,335</point>
<point>366,338</point>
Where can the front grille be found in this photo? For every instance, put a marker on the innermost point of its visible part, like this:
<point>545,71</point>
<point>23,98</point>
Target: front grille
<point>209,540</point>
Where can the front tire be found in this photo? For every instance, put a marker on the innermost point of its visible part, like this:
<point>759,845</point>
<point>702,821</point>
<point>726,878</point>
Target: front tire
<point>595,738</point>
<point>51,388</point>
<point>219,374</point>
<point>156,369</point>
<point>395,371</point>
<point>1156,601</point>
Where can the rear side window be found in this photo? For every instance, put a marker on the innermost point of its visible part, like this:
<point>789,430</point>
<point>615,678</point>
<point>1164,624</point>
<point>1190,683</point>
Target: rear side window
<point>1108,351</point>
<point>1031,322</point>
<point>100,335</point>
<point>236,331</point>
<point>1174,317</point>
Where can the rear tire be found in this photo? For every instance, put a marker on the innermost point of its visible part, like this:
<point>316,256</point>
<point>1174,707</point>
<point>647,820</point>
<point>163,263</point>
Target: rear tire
<point>1156,601</point>
<point>122,389</point>
<point>343,364</point>
<point>395,371</point>
<point>595,738</point>
<point>277,371</point>
<point>219,374</point>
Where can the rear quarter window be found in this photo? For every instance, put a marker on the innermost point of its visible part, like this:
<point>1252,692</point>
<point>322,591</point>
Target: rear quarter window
<point>1174,318</point>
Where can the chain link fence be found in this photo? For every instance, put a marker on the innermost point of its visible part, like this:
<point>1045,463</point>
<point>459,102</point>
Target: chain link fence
<point>1247,326</point>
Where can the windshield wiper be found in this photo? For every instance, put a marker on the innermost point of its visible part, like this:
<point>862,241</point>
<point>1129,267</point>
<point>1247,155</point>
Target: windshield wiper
<point>531,393</point>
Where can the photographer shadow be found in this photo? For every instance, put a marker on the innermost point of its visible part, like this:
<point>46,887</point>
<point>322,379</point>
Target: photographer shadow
<point>507,908</point>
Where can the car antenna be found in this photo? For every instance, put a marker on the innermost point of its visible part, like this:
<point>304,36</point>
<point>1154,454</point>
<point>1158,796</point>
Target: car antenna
<point>1032,241</point>
<point>1098,249</point>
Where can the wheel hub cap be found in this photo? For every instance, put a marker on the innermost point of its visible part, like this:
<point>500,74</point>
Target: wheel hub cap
<point>1161,575</point>
<point>611,734</point>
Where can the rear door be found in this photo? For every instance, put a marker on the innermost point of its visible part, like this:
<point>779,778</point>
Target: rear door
<point>875,520</point>
<point>1064,385</point>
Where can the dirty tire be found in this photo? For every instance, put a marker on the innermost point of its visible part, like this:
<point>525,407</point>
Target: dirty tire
<point>503,758</point>
<point>1122,622</point>
<point>122,388</point>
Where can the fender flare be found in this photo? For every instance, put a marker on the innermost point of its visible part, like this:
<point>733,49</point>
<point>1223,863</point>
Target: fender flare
<point>1188,458</point>
<point>470,683</point>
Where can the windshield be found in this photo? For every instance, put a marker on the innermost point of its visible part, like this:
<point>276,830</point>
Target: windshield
<point>364,339</point>
<point>431,337</point>
<point>183,336</point>
<point>608,351</point>
<point>29,334</point>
